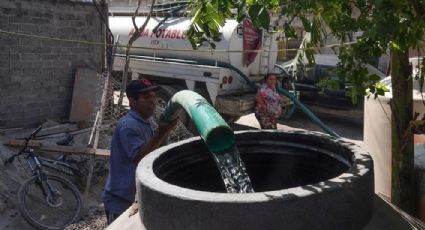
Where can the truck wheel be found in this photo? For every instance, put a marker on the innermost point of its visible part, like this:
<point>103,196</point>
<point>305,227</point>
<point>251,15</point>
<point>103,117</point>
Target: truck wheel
<point>181,132</point>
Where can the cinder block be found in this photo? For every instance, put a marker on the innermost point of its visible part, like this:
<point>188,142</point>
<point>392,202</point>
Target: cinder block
<point>4,50</point>
<point>46,64</point>
<point>23,64</point>
<point>9,11</point>
<point>13,26</point>
<point>50,57</point>
<point>19,19</point>
<point>29,28</point>
<point>13,109</point>
<point>31,56</point>
<point>40,21</point>
<point>68,17</point>
<point>27,41</point>
<point>49,43</point>
<point>4,18</point>
<point>4,65</point>
<point>31,71</point>
<point>41,50</point>
<point>15,49</point>
<point>9,40</point>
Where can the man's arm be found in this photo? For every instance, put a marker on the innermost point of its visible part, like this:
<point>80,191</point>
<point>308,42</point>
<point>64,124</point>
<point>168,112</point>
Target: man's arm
<point>157,139</point>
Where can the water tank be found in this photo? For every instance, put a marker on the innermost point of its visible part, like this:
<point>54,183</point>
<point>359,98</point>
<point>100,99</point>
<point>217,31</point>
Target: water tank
<point>167,38</point>
<point>302,180</point>
<point>377,134</point>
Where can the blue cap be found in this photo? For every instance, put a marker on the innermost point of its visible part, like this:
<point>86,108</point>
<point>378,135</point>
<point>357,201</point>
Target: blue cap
<point>136,87</point>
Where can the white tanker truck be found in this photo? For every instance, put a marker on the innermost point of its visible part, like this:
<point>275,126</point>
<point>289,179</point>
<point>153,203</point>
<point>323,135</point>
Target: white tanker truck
<point>164,55</point>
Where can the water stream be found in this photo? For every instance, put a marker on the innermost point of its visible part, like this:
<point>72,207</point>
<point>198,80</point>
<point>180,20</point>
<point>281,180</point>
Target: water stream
<point>233,171</point>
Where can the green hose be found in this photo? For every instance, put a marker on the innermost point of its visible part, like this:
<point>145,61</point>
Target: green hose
<point>287,94</point>
<point>217,134</point>
<point>307,111</point>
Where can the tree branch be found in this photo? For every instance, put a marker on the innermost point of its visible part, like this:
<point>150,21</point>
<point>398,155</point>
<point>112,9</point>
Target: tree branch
<point>418,7</point>
<point>417,126</point>
<point>132,39</point>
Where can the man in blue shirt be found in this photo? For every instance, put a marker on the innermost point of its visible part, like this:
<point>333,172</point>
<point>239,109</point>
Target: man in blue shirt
<point>133,139</point>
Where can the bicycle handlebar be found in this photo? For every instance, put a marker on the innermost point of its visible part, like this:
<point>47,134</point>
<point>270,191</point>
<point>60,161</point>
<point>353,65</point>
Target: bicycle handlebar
<point>35,132</point>
<point>11,158</point>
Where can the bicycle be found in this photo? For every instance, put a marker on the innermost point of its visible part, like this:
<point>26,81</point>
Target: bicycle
<point>46,201</point>
<point>78,169</point>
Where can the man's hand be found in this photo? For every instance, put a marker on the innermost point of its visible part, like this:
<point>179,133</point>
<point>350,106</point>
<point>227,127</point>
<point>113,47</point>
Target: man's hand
<point>160,135</point>
<point>165,127</point>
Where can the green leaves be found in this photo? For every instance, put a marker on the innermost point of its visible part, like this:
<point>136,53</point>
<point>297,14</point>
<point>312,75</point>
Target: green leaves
<point>306,23</point>
<point>289,31</point>
<point>378,25</point>
<point>259,16</point>
<point>207,19</point>
<point>376,90</point>
<point>242,10</point>
<point>328,83</point>
<point>395,46</point>
<point>209,15</point>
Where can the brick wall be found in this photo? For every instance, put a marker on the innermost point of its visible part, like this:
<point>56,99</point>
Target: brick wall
<point>36,75</point>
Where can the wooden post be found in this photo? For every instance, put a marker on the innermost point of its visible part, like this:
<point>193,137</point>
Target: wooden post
<point>96,137</point>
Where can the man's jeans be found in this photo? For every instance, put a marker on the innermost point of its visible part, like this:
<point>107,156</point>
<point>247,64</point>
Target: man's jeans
<point>110,217</point>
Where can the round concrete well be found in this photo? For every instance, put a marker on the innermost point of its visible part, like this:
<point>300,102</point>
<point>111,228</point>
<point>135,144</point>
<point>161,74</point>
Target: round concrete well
<point>303,180</point>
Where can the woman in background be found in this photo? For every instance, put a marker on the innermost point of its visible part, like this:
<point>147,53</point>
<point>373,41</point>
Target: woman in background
<point>269,103</point>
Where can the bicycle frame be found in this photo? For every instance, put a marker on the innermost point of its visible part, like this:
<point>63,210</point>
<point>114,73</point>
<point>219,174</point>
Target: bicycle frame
<point>60,166</point>
<point>33,163</point>
<point>37,171</point>
<point>35,167</point>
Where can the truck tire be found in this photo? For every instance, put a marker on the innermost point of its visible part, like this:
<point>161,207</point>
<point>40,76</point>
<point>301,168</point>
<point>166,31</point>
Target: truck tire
<point>229,118</point>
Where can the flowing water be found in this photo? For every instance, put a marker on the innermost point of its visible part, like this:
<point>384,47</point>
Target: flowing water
<point>233,171</point>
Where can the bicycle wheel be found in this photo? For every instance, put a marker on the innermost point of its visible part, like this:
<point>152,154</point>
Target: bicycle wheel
<point>45,210</point>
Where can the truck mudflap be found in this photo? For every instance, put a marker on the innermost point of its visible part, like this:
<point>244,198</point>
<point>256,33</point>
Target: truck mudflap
<point>240,104</point>
<point>235,105</point>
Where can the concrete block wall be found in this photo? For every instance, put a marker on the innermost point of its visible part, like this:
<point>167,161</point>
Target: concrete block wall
<point>37,75</point>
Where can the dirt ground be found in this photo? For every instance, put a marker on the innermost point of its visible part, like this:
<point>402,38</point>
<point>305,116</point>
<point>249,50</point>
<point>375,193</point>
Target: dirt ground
<point>93,217</point>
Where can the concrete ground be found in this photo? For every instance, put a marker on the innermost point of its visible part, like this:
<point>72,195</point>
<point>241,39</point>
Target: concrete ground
<point>299,121</point>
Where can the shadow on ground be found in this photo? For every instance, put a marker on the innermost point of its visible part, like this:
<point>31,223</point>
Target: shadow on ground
<point>299,121</point>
